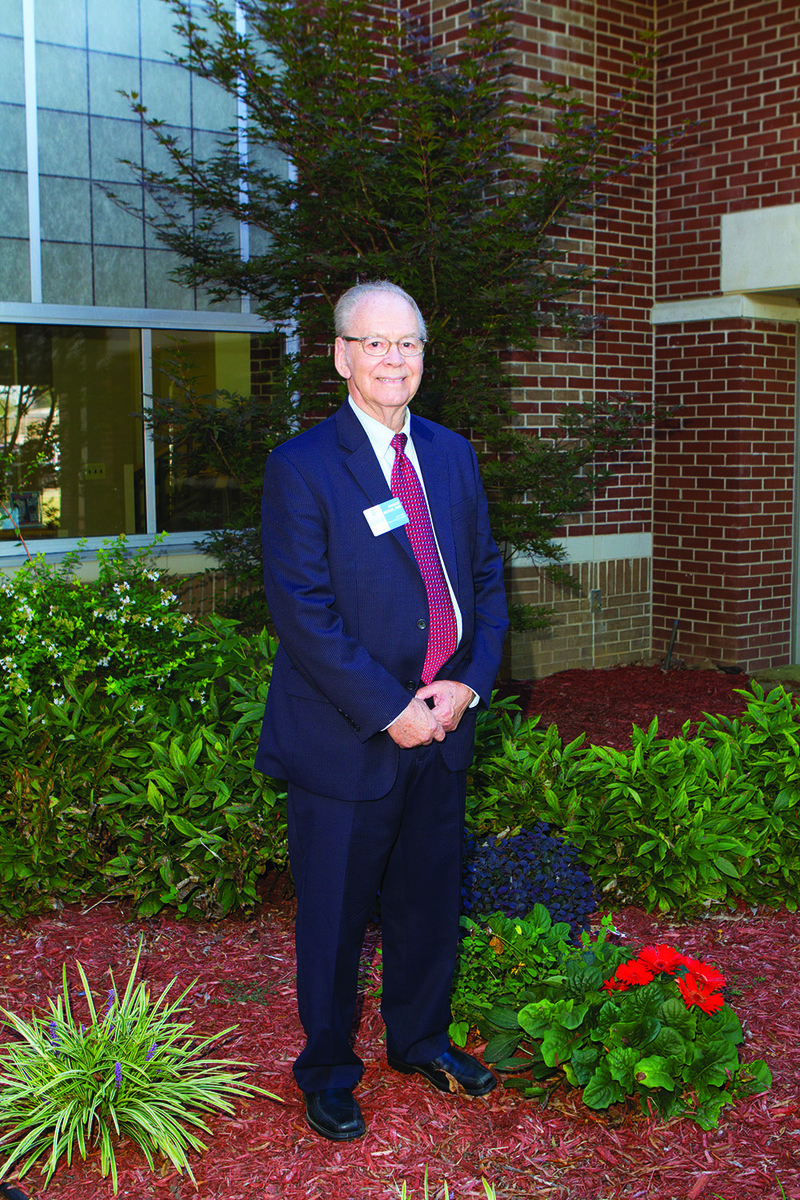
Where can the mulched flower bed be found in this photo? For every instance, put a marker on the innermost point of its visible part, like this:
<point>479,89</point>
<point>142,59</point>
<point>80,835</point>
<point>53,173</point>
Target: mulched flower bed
<point>606,704</point>
<point>245,975</point>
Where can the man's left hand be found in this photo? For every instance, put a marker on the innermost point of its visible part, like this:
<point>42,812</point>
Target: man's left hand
<point>450,701</point>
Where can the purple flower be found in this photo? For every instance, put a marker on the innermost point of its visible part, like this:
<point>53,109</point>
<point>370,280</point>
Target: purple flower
<point>151,1051</point>
<point>112,995</point>
<point>118,1074</point>
<point>54,1038</point>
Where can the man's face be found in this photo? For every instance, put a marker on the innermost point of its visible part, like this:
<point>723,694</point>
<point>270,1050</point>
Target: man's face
<point>382,387</point>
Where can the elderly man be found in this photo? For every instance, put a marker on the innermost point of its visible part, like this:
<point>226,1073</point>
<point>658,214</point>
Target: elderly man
<point>386,590</point>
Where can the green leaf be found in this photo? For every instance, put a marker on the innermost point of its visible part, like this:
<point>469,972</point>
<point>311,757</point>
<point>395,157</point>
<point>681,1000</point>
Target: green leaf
<point>602,1090</point>
<point>653,1072</point>
<point>753,1078</point>
<point>501,1046</point>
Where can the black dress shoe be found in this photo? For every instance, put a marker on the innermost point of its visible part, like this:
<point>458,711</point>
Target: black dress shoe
<point>334,1114</point>
<point>469,1074</point>
<point>11,1193</point>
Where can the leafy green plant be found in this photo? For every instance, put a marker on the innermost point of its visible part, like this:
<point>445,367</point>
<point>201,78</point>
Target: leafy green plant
<point>133,1071</point>
<point>654,1027</point>
<point>123,630</point>
<point>150,797</point>
<point>502,791</point>
<point>672,823</point>
<point>502,957</point>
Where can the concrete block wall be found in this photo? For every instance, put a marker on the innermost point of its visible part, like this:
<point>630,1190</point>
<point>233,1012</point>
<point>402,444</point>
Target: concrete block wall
<point>605,622</point>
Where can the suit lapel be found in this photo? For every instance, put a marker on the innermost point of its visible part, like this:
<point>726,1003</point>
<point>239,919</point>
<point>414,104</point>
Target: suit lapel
<point>364,467</point>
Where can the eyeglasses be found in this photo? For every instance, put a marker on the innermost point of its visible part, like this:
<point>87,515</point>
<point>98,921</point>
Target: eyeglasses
<point>375,347</point>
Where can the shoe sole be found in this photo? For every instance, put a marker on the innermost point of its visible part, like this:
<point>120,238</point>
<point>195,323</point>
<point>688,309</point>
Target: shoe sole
<point>409,1069</point>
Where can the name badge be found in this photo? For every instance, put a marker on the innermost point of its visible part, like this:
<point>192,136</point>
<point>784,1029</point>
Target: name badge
<point>386,516</point>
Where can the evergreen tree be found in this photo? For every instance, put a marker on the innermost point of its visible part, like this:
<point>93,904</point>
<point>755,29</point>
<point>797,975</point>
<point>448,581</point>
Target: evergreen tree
<point>402,165</point>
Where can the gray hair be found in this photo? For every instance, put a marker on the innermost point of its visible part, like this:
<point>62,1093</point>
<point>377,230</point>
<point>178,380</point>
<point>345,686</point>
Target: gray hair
<point>347,304</point>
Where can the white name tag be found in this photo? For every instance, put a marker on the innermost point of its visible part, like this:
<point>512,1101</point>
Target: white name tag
<point>386,516</point>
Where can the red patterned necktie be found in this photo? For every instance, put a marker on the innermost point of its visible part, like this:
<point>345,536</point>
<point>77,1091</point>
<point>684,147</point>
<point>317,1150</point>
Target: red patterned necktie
<point>442,633</point>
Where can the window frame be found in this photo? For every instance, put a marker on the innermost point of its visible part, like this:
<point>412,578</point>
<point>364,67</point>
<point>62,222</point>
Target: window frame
<point>145,321</point>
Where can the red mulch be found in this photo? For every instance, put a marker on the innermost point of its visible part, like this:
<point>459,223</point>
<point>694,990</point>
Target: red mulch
<point>605,704</point>
<point>245,973</point>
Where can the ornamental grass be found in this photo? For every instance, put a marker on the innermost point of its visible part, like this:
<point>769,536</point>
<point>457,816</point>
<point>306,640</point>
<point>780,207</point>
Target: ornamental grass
<point>132,1071</point>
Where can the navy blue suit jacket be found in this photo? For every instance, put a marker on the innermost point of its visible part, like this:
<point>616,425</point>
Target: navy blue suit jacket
<point>350,608</point>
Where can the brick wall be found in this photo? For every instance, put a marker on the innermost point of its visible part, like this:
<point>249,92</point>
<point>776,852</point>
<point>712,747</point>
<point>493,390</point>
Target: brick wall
<point>591,46</point>
<point>722,553</point>
<point>723,493</point>
<point>716,486</point>
<point>733,65</point>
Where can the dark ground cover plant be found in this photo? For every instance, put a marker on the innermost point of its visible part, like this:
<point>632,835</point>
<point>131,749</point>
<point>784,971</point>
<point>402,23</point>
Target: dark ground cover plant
<point>517,869</point>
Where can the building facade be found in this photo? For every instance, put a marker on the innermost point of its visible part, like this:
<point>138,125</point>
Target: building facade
<point>699,524</point>
<point>91,322</point>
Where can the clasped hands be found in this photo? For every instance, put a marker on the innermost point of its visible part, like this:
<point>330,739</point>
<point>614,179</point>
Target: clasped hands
<point>419,725</point>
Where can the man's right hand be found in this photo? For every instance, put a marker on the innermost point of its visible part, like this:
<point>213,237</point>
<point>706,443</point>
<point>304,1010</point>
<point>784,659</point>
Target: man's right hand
<point>416,726</point>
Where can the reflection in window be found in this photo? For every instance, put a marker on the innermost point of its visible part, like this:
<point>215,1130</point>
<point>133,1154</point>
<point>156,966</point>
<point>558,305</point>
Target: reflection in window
<point>73,457</point>
<point>196,490</point>
<point>71,446</point>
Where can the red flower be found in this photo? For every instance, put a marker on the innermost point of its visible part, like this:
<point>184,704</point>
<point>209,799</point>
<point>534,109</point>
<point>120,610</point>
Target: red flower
<point>615,985</point>
<point>634,972</point>
<point>705,973</point>
<point>662,958</point>
<point>696,992</point>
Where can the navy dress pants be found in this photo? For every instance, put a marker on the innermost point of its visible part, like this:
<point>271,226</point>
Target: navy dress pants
<point>407,846</point>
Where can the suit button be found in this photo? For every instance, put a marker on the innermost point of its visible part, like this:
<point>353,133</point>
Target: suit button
<point>411,685</point>
<point>422,623</point>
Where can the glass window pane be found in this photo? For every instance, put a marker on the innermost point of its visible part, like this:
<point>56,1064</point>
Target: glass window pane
<point>14,205</point>
<point>66,209</point>
<point>11,17</point>
<point>61,21</point>
<point>15,273</point>
<point>71,450</point>
<point>66,273</point>
<point>61,78</point>
<point>190,496</point>
<point>12,77</point>
<point>63,143</point>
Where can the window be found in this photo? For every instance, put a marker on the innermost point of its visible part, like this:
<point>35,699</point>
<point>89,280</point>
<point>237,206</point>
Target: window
<point>75,459</point>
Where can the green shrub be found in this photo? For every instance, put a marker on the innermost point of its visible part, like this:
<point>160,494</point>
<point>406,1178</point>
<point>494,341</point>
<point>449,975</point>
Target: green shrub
<point>140,785</point>
<point>122,630</point>
<point>502,791</point>
<point>672,823</point>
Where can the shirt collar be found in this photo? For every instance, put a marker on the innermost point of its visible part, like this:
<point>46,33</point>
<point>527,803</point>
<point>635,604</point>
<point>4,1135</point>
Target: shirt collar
<point>380,435</point>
